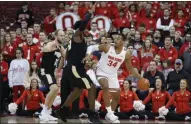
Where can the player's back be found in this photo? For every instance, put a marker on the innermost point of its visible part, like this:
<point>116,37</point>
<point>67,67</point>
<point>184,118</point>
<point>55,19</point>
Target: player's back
<point>110,62</point>
<point>50,61</point>
<point>76,53</point>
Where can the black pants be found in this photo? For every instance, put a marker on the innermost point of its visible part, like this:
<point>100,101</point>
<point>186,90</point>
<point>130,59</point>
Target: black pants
<point>30,113</point>
<point>177,117</point>
<point>149,114</point>
<point>4,93</point>
<point>126,115</point>
<point>72,77</point>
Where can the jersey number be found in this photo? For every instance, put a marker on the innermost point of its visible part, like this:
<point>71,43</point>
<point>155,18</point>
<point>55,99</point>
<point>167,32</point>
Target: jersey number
<point>112,63</point>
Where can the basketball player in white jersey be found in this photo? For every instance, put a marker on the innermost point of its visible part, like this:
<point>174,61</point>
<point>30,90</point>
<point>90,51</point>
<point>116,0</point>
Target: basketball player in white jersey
<point>112,58</point>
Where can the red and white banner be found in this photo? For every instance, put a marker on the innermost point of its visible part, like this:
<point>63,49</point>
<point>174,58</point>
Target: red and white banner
<point>102,22</point>
<point>66,20</point>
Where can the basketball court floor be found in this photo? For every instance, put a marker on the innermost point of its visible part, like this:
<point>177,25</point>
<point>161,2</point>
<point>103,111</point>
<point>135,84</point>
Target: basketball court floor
<point>25,120</point>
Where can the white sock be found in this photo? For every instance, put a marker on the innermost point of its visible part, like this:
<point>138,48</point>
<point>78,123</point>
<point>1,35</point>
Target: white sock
<point>108,109</point>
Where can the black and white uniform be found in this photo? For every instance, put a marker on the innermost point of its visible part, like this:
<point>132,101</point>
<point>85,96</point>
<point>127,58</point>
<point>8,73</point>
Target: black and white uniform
<point>74,72</point>
<point>49,63</point>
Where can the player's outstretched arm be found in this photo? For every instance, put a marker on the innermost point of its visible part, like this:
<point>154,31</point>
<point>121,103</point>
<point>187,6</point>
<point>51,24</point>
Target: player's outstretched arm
<point>130,67</point>
<point>93,48</point>
<point>80,27</point>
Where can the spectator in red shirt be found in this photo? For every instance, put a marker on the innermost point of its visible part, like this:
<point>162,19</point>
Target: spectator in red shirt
<point>180,22</point>
<point>103,10</point>
<point>18,32</point>
<point>50,21</point>
<point>22,40</point>
<point>122,21</point>
<point>60,8</point>
<point>127,97</point>
<point>158,97</point>
<point>33,97</point>
<point>37,28</point>
<point>4,84</point>
<point>168,52</point>
<point>181,99</point>
<point>8,49</point>
<point>133,14</point>
<point>146,53</point>
<point>13,35</point>
<point>30,49</point>
<point>134,60</point>
<point>149,21</point>
<point>185,45</point>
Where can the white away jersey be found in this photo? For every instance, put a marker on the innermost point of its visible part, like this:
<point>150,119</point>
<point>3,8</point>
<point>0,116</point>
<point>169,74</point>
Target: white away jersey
<point>110,62</point>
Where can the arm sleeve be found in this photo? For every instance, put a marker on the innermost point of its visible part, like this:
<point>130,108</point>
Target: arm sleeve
<point>158,24</point>
<point>85,22</point>
<point>135,96</point>
<point>42,97</point>
<point>171,101</point>
<point>5,69</point>
<point>147,99</point>
<point>21,98</point>
<point>170,25</point>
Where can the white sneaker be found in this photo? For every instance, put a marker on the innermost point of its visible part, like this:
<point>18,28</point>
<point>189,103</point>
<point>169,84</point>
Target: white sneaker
<point>50,117</point>
<point>136,116</point>
<point>43,117</point>
<point>116,121</point>
<point>115,115</point>
<point>111,117</point>
<point>187,118</point>
<point>146,117</point>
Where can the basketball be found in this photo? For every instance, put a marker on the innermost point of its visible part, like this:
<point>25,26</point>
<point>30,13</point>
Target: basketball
<point>143,84</point>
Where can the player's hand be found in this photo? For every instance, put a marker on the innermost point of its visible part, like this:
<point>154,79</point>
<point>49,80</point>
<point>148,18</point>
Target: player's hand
<point>87,58</point>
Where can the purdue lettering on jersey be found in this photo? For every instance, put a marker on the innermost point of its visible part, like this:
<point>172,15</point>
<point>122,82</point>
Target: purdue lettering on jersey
<point>110,61</point>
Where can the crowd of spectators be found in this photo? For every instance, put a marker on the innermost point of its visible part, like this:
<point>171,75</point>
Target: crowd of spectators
<point>158,35</point>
